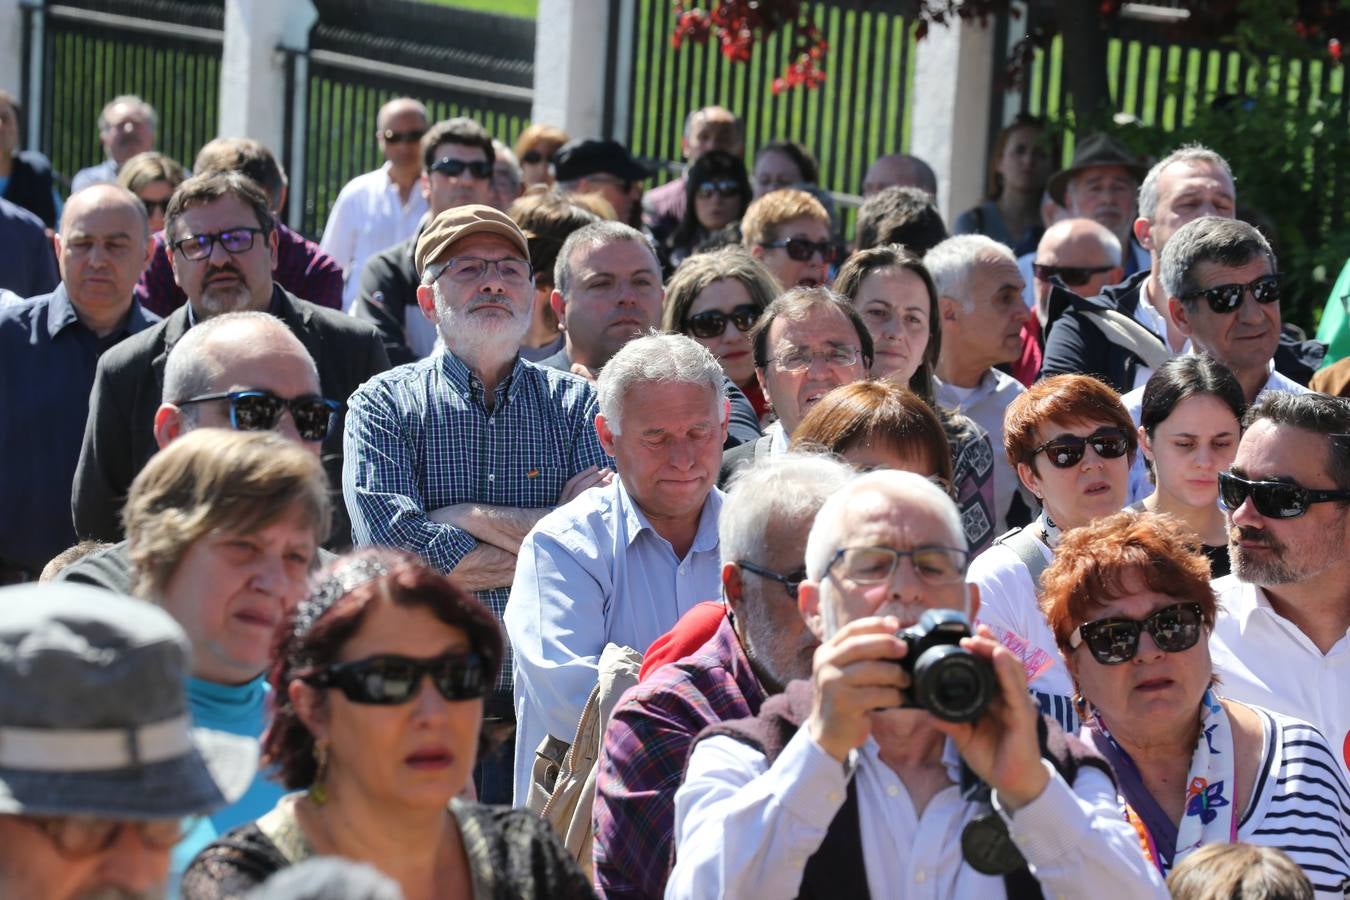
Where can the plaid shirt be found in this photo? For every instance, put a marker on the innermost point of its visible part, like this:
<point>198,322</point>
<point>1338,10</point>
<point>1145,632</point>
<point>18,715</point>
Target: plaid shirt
<point>302,268</point>
<point>419,437</point>
<point>642,763</point>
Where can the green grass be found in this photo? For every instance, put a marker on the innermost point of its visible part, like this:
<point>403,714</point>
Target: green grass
<point>524,9</point>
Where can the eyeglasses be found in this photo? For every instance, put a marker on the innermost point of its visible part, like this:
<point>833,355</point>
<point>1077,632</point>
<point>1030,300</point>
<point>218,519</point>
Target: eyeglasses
<point>473,269</point>
<point>874,565</point>
<point>534,157</point>
<point>200,246</point>
<point>1225,298</point>
<point>1273,499</point>
<point>1073,276</point>
<point>261,411</point>
<point>802,250</point>
<point>1067,451</point>
<point>162,206</point>
<point>76,836</point>
<point>727,187</point>
<point>800,360</point>
<point>402,137</point>
<point>1116,640</point>
<point>390,680</point>
<point>713,323</point>
<point>790,582</point>
<point>454,168</point>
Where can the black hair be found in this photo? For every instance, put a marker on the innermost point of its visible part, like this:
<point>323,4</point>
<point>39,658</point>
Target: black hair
<point>1186,376</point>
<point>800,156</point>
<point>900,215</point>
<point>713,164</point>
<point>1318,413</point>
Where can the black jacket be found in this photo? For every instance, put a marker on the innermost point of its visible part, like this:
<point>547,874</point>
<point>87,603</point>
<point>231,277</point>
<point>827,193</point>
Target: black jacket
<point>388,288</point>
<point>119,434</point>
<point>1075,344</point>
<point>30,186</point>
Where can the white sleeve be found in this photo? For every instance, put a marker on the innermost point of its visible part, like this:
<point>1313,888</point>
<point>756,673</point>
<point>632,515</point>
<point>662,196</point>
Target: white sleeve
<point>1076,836</point>
<point>341,231</point>
<point>745,829</point>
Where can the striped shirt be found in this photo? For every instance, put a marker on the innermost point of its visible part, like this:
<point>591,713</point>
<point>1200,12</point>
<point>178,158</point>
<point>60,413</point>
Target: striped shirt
<point>419,437</point>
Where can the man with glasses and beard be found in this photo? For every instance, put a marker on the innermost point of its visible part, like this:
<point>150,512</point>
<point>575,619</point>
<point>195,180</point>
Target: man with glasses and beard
<point>379,209</point>
<point>1282,637</point>
<point>456,456</point>
<point>222,245</point>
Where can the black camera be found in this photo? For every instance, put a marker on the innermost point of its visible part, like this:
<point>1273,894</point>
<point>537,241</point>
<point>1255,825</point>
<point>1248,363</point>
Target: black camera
<point>945,678</point>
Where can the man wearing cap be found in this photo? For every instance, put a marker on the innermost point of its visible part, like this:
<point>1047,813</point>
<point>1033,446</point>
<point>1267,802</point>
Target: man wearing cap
<point>456,456</point>
<point>457,159</point>
<point>99,762</point>
<point>606,168</point>
<point>1101,185</point>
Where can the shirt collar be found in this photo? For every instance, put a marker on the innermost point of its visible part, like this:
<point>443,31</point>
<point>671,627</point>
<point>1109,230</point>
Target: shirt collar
<point>61,314</point>
<point>469,386</point>
<point>705,539</point>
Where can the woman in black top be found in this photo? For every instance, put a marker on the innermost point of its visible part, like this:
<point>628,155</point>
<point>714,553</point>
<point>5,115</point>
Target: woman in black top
<point>717,191</point>
<point>378,688</point>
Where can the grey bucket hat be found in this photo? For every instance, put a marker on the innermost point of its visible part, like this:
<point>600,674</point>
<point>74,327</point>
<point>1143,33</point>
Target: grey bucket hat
<point>93,711</point>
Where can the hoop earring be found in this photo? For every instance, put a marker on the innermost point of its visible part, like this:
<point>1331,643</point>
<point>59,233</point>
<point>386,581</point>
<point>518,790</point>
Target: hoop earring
<point>318,791</point>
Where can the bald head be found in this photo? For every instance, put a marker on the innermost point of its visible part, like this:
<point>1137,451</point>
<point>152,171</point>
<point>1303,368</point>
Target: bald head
<point>899,170</point>
<point>106,196</point>
<point>1082,244</point>
<point>397,107</point>
<point>713,128</point>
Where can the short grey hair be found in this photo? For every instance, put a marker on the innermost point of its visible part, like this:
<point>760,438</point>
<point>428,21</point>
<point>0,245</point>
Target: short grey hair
<point>1227,242</point>
<point>130,100</point>
<point>827,531</point>
<point>670,358</point>
<point>788,487</point>
<point>191,371</point>
<point>596,235</point>
<point>1186,153</point>
<point>952,262</point>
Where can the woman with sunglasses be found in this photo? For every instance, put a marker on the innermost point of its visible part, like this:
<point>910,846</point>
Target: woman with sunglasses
<point>897,299</point>
<point>1071,442</point>
<point>378,678</point>
<point>1189,426</point>
<point>535,148</point>
<point>717,192</point>
<point>715,298</point>
<point>152,177</point>
<point>1131,607</point>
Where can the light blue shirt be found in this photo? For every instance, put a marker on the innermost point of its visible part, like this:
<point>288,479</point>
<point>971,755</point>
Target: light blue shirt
<point>591,573</point>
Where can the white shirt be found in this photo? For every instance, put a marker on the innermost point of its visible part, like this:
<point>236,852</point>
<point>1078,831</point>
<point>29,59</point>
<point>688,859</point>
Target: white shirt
<point>1266,660</point>
<point>986,404</point>
<point>591,573</point>
<point>1140,486</point>
<point>744,829</point>
<point>369,216</point>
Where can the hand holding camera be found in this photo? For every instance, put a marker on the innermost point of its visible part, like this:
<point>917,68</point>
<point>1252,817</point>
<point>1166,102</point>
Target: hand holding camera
<point>853,674</point>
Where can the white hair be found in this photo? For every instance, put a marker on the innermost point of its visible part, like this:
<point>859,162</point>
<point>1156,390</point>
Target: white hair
<point>1187,153</point>
<point>784,488</point>
<point>191,370</point>
<point>952,262</point>
<point>670,358</point>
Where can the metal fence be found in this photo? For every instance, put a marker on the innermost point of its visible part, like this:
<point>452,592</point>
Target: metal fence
<point>81,53</point>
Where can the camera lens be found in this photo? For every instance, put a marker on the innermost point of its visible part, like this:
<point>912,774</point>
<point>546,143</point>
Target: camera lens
<point>953,684</point>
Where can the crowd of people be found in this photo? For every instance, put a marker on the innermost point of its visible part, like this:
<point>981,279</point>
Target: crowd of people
<point>537,533</point>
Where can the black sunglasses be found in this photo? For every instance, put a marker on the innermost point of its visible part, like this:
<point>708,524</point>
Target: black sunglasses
<point>1073,276</point>
<point>727,187</point>
<point>713,322</point>
<point>402,137</point>
<point>1116,640</point>
<point>802,250</point>
<point>234,240</point>
<point>1273,499</point>
<point>261,411</point>
<point>534,157</point>
<point>1064,452</point>
<point>162,206</point>
<point>456,167</point>
<point>790,581</point>
<point>390,680</point>
<point>1225,298</point>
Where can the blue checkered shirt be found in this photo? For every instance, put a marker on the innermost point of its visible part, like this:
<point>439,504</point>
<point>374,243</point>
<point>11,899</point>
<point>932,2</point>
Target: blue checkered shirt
<point>419,437</point>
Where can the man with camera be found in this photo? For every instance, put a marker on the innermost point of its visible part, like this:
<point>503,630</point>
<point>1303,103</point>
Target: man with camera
<point>852,785</point>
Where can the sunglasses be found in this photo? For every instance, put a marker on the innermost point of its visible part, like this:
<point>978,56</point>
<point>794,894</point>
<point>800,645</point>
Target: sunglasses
<point>161,206</point>
<point>235,241</point>
<point>1073,276</point>
<point>713,323</point>
<point>456,167</point>
<point>1116,640</point>
<point>261,411</point>
<point>727,187</point>
<point>402,137</point>
<point>1273,499</point>
<point>1225,298</point>
<point>802,250</point>
<point>790,581</point>
<point>76,836</point>
<point>1067,451</point>
<point>534,157</point>
<point>390,680</point>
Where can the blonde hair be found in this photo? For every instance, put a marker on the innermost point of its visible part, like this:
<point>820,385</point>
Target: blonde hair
<point>1238,872</point>
<point>211,480</point>
<point>763,217</point>
<point>538,133</point>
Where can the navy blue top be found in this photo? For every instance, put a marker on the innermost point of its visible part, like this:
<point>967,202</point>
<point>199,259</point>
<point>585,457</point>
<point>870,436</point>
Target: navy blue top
<point>30,263</point>
<point>47,360</point>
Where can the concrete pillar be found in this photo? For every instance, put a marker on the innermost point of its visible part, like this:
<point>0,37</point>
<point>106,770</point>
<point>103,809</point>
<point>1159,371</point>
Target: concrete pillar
<point>569,65</point>
<point>949,119</point>
<point>253,71</point>
<point>11,50</point>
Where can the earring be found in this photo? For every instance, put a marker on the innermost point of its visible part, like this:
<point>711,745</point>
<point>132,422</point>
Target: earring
<point>318,791</point>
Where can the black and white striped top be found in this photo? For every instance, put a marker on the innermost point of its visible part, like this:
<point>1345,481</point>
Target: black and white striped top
<point>1301,804</point>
